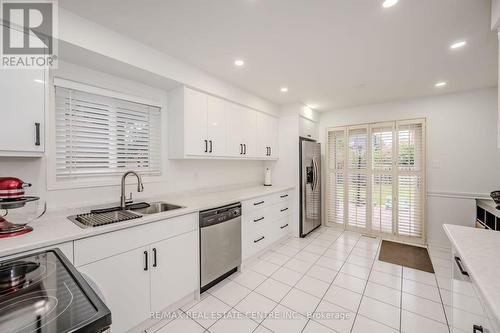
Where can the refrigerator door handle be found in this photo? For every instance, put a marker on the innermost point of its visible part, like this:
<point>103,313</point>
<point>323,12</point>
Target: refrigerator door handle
<point>315,175</point>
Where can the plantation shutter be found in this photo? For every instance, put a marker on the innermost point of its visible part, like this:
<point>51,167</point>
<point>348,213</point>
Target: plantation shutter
<point>336,175</point>
<point>99,135</point>
<point>376,178</point>
<point>382,142</point>
<point>357,176</point>
<point>411,193</point>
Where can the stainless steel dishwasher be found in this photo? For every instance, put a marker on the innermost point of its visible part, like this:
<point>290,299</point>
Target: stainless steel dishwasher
<point>220,244</point>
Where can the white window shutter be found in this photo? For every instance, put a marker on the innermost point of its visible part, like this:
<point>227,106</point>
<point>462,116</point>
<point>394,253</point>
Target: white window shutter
<point>336,175</point>
<point>357,176</point>
<point>99,135</point>
<point>382,152</point>
<point>377,178</point>
<point>411,189</point>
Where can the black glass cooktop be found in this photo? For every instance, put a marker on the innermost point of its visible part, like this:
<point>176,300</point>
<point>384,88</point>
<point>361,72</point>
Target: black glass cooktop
<point>44,293</point>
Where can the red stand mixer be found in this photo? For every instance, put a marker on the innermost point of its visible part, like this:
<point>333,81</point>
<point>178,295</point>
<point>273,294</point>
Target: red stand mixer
<point>12,196</point>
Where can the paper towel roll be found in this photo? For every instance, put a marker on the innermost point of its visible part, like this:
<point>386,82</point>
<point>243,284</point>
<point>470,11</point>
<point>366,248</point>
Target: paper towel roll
<point>267,178</point>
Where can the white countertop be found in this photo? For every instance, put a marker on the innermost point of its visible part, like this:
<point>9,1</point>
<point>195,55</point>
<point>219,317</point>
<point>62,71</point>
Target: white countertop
<point>479,249</point>
<point>55,228</point>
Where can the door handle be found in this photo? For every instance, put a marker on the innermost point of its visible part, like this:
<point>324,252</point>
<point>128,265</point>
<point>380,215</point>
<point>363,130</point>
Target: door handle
<point>37,134</point>
<point>315,175</point>
<point>283,196</point>
<point>459,264</point>
<point>284,226</point>
<point>245,148</point>
<point>154,257</point>
<point>241,149</point>
<point>270,151</point>
<point>146,260</point>
<point>259,219</point>
<point>211,146</point>
<point>206,146</point>
<point>258,203</point>
<point>283,210</point>
<point>259,239</point>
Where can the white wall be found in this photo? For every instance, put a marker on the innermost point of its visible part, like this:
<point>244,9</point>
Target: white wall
<point>177,175</point>
<point>463,161</point>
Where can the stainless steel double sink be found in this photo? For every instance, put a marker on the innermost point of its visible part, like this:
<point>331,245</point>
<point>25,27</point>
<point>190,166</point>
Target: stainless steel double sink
<point>111,215</point>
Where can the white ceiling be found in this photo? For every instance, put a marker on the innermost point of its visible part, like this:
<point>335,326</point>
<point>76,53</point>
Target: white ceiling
<point>329,53</point>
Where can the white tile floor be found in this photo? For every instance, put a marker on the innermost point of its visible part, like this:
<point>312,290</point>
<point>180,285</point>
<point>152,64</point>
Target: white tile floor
<point>331,281</point>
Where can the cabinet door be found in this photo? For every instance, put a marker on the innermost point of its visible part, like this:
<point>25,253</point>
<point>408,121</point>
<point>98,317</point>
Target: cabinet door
<point>241,132</point>
<point>22,92</point>
<point>216,125</point>
<point>174,273</point>
<point>195,122</point>
<point>267,131</point>
<point>308,128</point>
<point>125,285</point>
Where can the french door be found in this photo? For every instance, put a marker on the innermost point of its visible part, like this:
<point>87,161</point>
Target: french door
<point>376,179</point>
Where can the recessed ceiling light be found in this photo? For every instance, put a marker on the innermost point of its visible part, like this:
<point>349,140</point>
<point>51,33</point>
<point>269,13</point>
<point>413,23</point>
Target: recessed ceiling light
<point>389,3</point>
<point>458,44</point>
<point>239,62</point>
<point>284,89</point>
<point>440,84</point>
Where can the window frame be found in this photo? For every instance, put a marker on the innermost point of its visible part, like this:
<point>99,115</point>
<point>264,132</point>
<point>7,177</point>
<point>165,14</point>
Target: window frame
<point>55,183</point>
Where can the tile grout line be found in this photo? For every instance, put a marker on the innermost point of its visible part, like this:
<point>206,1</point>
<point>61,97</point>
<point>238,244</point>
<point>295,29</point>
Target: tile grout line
<point>364,289</point>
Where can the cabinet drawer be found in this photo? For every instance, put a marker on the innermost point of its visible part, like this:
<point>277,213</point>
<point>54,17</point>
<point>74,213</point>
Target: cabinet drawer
<point>281,228</point>
<point>91,249</point>
<point>283,196</point>
<point>282,210</point>
<point>253,244</point>
<point>257,203</point>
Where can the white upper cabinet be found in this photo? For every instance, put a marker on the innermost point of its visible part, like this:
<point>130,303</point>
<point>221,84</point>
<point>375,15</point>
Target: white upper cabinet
<point>195,119</point>
<point>204,126</point>
<point>22,92</point>
<point>267,133</point>
<point>242,132</point>
<point>308,129</point>
<point>216,126</point>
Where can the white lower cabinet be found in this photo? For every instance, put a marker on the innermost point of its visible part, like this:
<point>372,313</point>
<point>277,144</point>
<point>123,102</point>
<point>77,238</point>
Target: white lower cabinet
<point>469,312</point>
<point>174,271</point>
<point>265,220</point>
<point>142,269</point>
<point>124,283</point>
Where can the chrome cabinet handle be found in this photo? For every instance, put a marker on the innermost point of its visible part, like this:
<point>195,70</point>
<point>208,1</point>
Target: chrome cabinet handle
<point>477,328</point>
<point>459,264</point>
<point>284,209</point>
<point>146,260</point>
<point>241,149</point>
<point>283,196</point>
<point>211,146</point>
<point>258,203</point>
<point>37,134</point>
<point>245,148</point>
<point>206,146</point>
<point>259,219</point>
<point>154,258</point>
<point>259,239</point>
<point>284,226</point>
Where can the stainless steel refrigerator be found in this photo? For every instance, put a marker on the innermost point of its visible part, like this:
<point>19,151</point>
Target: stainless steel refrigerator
<point>310,186</point>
